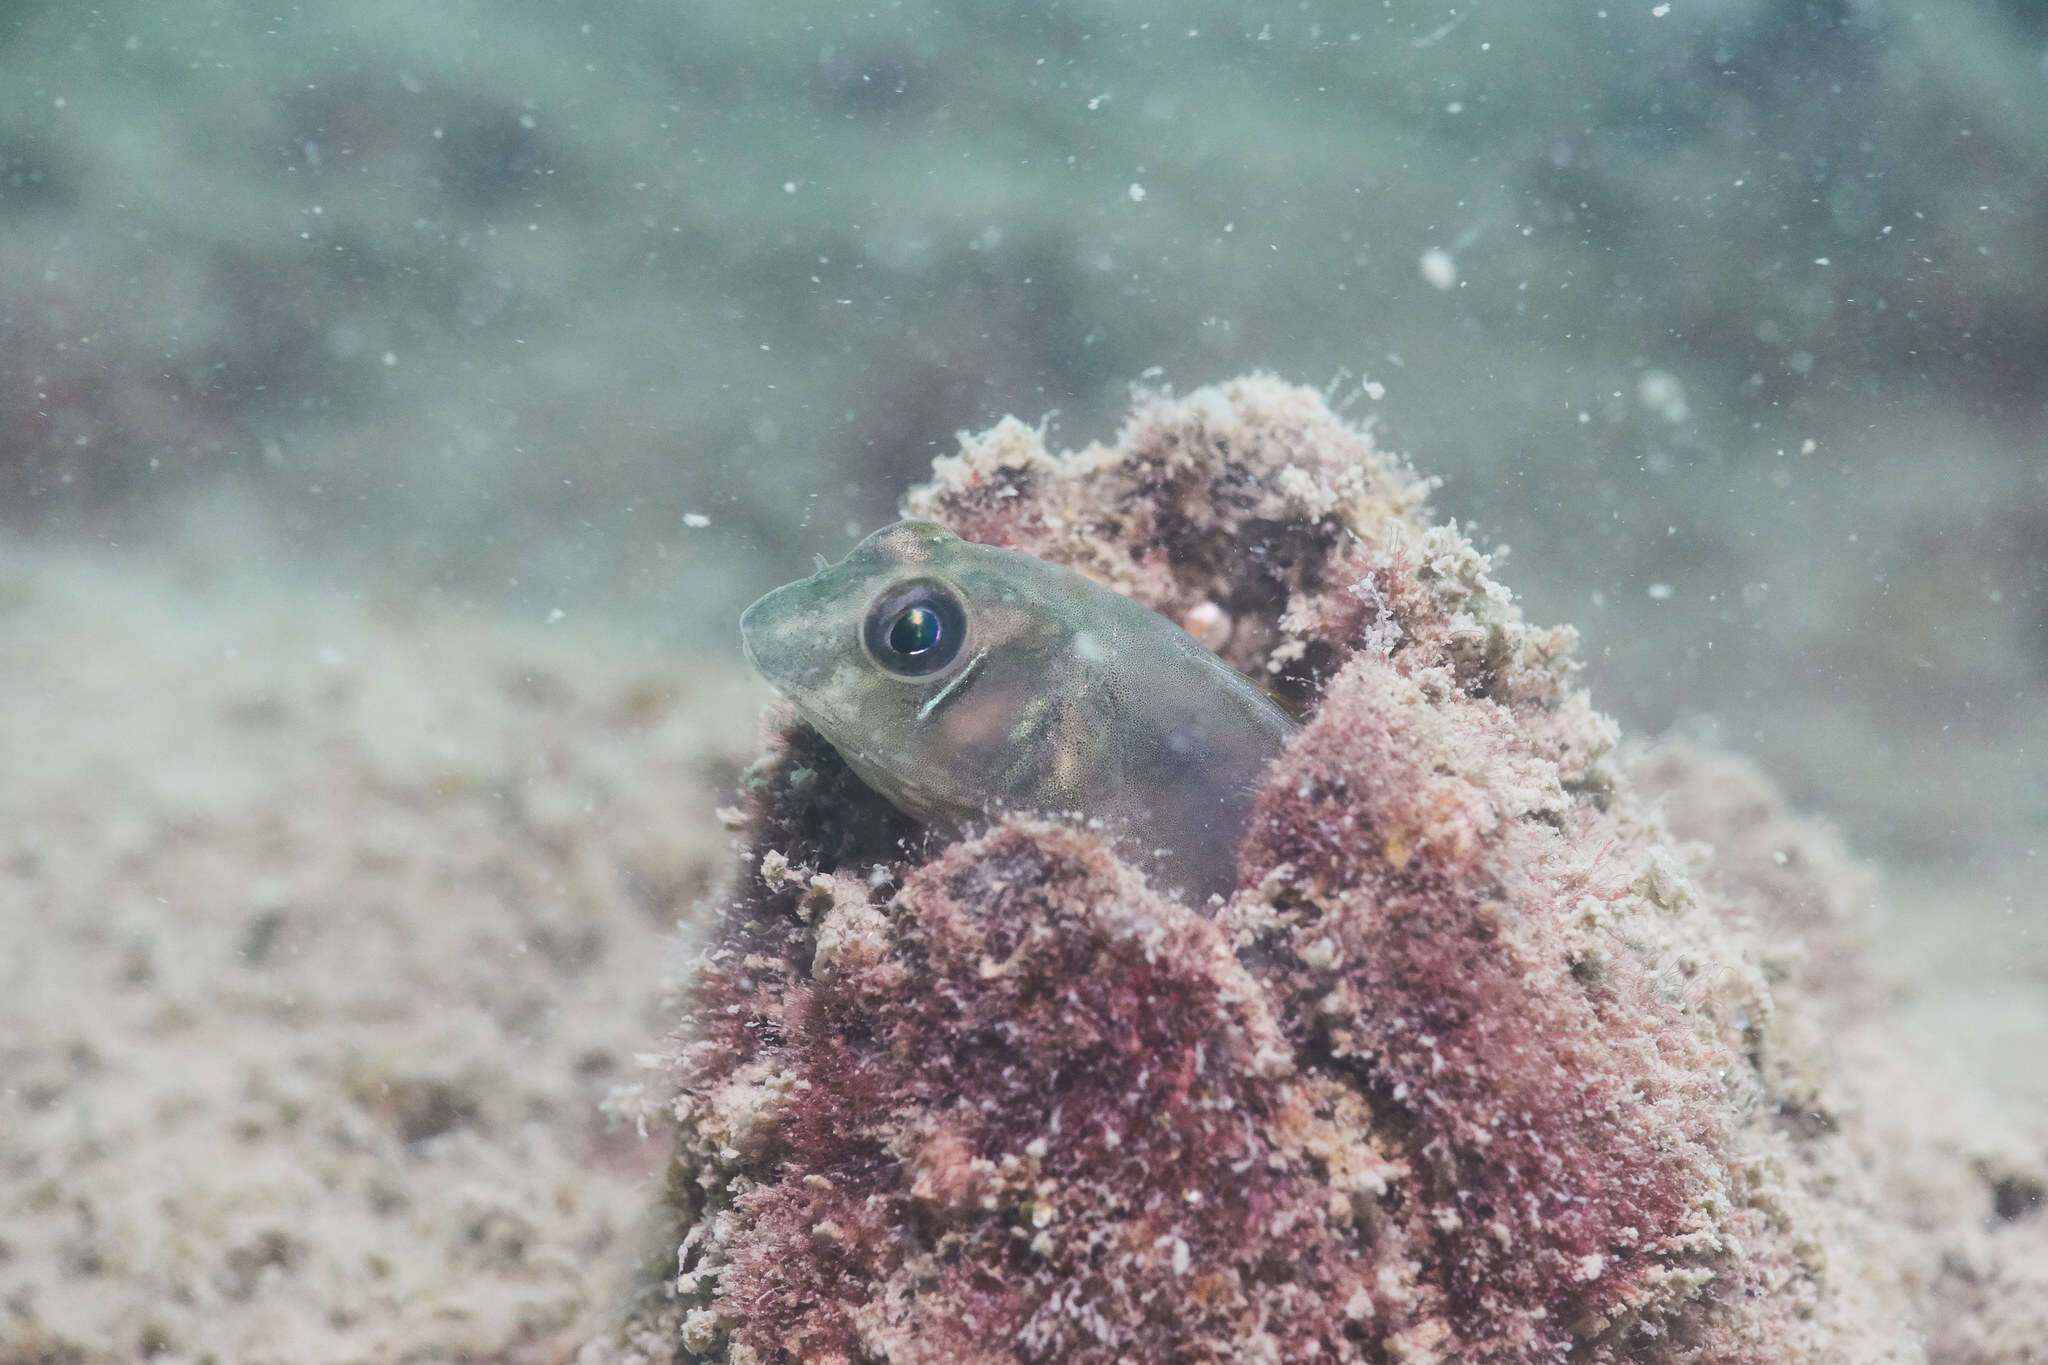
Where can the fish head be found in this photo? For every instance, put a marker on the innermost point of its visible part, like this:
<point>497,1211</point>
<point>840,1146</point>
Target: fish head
<point>880,653</point>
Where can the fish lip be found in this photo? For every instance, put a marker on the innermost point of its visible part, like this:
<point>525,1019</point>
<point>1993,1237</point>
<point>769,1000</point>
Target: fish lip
<point>747,636</point>
<point>817,717</point>
<point>753,627</point>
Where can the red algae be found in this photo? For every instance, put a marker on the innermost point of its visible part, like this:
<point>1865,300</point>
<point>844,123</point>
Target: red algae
<point>1480,1063</point>
<point>1055,1104</point>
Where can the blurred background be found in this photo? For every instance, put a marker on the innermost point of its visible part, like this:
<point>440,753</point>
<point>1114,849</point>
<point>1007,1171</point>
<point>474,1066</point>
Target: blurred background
<point>399,401</point>
<point>1730,317</point>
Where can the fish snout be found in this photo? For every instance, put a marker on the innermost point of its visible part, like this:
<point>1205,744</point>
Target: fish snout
<point>787,636</point>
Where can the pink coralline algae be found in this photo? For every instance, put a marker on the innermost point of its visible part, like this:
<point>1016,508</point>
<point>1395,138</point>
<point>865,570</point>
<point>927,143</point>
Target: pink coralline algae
<point>1479,1063</point>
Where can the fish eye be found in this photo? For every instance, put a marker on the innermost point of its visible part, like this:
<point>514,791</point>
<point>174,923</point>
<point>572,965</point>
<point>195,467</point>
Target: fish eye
<point>915,628</point>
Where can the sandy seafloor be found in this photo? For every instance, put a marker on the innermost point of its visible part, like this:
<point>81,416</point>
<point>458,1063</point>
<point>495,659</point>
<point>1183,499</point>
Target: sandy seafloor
<point>328,921</point>
<point>325,925</point>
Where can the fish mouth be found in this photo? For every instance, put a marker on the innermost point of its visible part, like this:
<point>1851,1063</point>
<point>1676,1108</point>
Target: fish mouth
<point>770,616</point>
<point>790,636</point>
<point>749,632</point>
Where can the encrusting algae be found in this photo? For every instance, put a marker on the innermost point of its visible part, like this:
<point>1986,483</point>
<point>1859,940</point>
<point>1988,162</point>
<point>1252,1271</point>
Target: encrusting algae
<point>1479,1063</point>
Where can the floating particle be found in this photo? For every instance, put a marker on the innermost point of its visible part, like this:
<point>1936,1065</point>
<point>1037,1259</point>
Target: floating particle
<point>1662,393</point>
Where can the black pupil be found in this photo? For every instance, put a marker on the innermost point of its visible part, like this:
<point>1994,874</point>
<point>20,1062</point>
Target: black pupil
<point>915,629</point>
<point>915,632</point>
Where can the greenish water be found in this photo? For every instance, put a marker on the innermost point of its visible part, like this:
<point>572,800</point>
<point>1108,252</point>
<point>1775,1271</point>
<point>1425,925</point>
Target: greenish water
<point>1730,316</point>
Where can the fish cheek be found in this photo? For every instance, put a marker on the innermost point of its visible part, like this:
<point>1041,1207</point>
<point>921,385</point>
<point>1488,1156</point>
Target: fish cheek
<point>847,704</point>
<point>971,734</point>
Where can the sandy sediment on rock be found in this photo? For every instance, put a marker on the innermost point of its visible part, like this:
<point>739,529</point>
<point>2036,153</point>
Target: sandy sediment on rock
<point>324,932</point>
<point>1490,1057</point>
<point>1957,1178</point>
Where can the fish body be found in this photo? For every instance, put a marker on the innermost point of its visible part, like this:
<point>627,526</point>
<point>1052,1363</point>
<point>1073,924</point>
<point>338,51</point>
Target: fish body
<point>962,680</point>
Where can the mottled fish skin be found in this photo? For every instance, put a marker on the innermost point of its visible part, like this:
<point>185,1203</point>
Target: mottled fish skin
<point>1064,696</point>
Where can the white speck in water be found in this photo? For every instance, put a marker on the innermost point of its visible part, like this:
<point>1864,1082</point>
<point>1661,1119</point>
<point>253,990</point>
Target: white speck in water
<point>556,615</point>
<point>1659,592</point>
<point>1438,269</point>
<point>1662,393</point>
<point>1660,11</point>
<point>696,521</point>
<point>1137,193</point>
